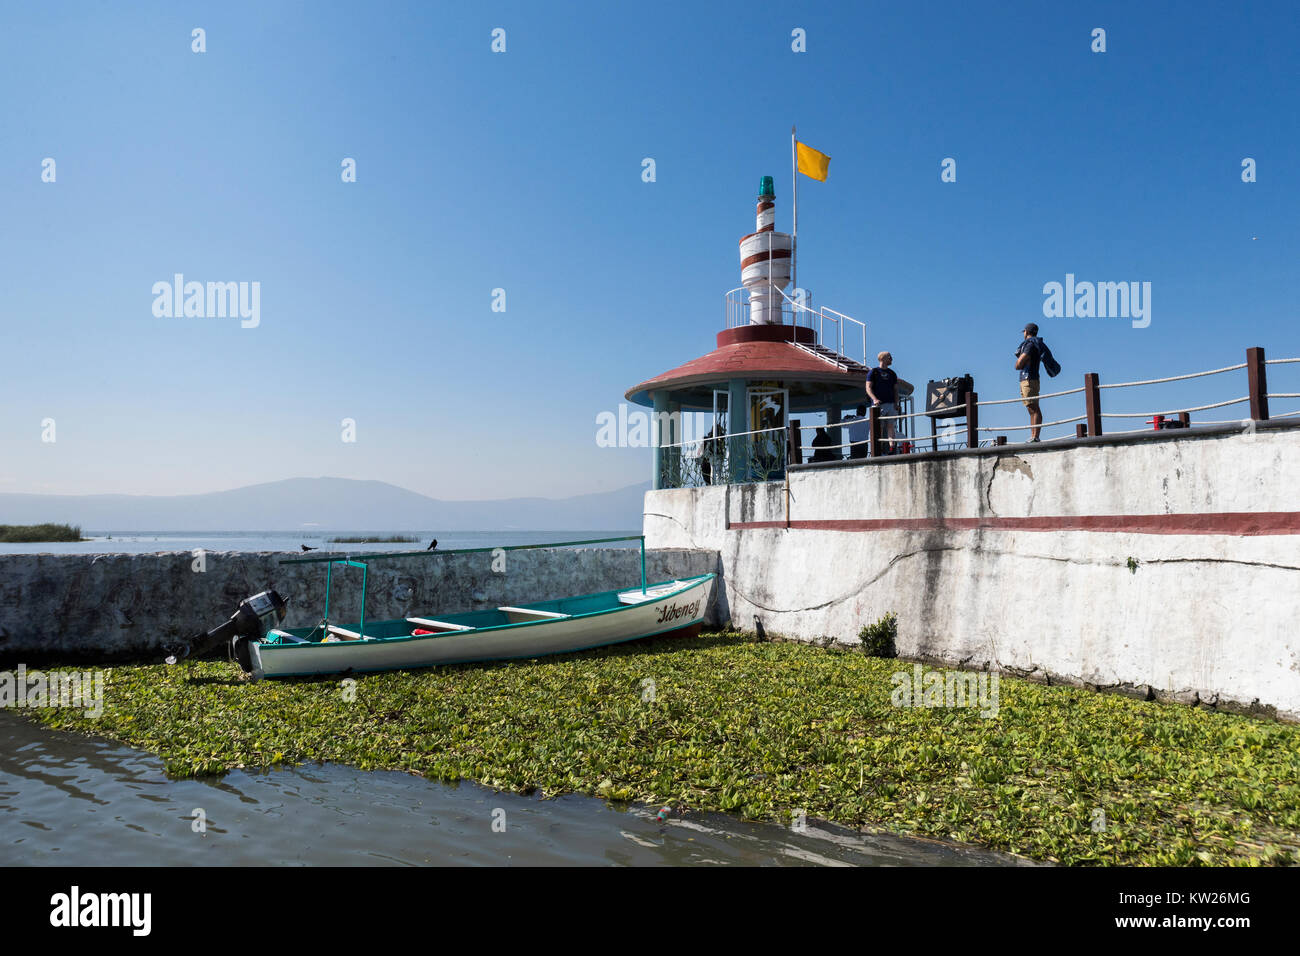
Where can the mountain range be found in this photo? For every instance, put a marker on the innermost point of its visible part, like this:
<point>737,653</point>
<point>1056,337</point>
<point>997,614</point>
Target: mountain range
<point>327,504</point>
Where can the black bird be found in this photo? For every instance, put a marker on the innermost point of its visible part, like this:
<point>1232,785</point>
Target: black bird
<point>305,548</point>
<point>433,545</point>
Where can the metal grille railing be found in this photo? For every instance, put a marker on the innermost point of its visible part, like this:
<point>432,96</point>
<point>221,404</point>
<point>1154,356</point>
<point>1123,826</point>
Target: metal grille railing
<point>756,456</point>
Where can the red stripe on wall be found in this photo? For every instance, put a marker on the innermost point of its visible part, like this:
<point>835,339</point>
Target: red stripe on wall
<point>1224,522</point>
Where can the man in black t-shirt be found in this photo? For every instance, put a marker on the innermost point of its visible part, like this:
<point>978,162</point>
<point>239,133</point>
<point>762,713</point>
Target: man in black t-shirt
<point>882,389</point>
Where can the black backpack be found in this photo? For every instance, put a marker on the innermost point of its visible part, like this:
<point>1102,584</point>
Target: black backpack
<point>1049,361</point>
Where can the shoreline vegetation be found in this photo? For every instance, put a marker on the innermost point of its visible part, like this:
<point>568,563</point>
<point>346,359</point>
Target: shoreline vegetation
<point>376,539</point>
<point>39,533</point>
<point>763,730</point>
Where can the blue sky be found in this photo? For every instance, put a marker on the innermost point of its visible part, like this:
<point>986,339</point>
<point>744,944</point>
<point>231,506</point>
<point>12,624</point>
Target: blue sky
<point>522,170</point>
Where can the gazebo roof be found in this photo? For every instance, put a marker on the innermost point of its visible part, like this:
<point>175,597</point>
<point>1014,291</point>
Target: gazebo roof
<point>759,353</point>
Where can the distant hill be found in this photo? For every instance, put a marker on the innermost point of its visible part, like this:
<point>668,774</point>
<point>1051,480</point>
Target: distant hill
<point>329,503</point>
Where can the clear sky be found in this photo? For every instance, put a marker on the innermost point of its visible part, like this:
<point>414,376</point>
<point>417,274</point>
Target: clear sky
<point>522,171</point>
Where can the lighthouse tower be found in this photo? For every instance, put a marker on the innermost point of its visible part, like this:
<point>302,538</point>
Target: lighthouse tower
<point>765,260</point>
<point>770,364</point>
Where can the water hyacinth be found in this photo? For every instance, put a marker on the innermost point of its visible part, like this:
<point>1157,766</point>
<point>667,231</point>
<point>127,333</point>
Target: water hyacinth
<point>761,730</point>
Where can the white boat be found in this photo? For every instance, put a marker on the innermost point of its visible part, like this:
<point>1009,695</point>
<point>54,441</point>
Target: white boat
<point>520,631</point>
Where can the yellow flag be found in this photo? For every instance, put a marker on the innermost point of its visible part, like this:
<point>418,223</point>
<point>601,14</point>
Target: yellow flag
<point>813,163</point>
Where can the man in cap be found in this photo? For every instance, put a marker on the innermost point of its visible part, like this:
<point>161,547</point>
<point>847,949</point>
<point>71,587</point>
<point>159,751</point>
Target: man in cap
<point>1028,356</point>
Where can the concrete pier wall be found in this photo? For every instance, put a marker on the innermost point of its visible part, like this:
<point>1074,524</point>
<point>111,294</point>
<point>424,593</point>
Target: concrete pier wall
<point>1154,564</point>
<point>116,606</point>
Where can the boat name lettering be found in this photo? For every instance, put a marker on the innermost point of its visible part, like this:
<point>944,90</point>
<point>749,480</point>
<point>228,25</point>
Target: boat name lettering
<point>671,612</point>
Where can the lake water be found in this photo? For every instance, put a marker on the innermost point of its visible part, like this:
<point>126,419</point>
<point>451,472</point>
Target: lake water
<point>70,800</point>
<point>137,542</point>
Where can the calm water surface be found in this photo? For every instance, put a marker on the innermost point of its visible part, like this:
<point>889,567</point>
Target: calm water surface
<point>72,800</point>
<point>139,542</point>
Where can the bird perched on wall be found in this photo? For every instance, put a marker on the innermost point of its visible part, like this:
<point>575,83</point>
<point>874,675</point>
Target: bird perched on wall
<point>305,548</point>
<point>433,545</point>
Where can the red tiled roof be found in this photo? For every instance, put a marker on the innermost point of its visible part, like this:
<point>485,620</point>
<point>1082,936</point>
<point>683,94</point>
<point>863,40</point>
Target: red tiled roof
<point>750,360</point>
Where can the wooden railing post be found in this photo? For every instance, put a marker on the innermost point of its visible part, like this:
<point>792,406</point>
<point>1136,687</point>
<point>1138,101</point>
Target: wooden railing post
<point>1092,400</point>
<point>1081,430</point>
<point>875,430</point>
<point>794,453</point>
<point>1185,419</point>
<point>1258,384</point>
<point>972,420</point>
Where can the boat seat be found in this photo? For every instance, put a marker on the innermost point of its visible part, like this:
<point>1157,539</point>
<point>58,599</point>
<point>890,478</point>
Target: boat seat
<point>520,615</point>
<point>437,625</point>
<point>634,596</point>
<point>347,635</point>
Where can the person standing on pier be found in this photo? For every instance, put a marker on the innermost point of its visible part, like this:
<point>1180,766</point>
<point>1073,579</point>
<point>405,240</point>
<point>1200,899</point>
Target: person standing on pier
<point>823,448</point>
<point>1028,356</point>
<point>859,434</point>
<point>882,389</point>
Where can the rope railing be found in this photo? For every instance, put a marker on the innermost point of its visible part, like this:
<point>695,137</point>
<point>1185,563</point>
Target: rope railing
<point>1176,378</point>
<point>723,437</point>
<point>1094,416</point>
<point>1001,428</point>
<point>763,457</point>
<point>816,448</point>
<point>887,418</point>
<point>1176,411</point>
<point>1017,401</point>
<point>847,444</point>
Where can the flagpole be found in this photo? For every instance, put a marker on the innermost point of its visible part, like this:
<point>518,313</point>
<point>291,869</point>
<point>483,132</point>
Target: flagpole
<point>794,235</point>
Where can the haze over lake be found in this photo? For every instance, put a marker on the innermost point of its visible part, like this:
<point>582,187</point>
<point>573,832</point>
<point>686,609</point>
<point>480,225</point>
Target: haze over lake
<point>309,505</point>
<point>142,542</point>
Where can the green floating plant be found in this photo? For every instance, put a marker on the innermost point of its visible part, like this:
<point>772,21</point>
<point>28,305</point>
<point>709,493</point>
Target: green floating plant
<point>761,730</point>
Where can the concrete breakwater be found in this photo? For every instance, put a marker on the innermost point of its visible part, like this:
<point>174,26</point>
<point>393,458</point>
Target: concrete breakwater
<point>1163,564</point>
<point>107,607</point>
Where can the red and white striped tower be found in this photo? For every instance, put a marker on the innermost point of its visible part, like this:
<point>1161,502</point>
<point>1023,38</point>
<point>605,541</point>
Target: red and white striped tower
<point>765,259</point>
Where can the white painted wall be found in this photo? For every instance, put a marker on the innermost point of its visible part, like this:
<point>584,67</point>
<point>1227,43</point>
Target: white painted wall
<point>1204,616</point>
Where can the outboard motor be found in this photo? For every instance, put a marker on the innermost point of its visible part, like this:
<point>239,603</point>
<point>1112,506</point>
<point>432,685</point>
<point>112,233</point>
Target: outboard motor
<point>251,621</point>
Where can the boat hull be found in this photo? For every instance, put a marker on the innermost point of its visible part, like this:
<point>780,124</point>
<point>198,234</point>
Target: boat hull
<point>667,610</point>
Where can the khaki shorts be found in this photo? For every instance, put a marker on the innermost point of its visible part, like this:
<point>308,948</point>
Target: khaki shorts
<point>1029,392</point>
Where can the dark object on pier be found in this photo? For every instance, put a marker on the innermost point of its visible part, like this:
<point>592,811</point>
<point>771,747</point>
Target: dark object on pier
<point>1163,422</point>
<point>946,398</point>
<point>305,548</point>
<point>251,621</point>
<point>433,545</point>
<point>953,398</point>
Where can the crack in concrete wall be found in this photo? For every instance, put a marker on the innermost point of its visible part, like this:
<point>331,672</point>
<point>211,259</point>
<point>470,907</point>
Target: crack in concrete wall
<point>1197,615</point>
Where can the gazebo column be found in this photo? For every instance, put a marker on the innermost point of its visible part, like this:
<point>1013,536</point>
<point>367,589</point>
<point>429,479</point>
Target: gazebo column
<point>672,430</point>
<point>656,440</point>
<point>737,422</point>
